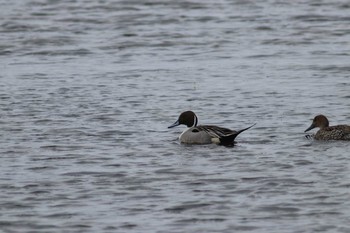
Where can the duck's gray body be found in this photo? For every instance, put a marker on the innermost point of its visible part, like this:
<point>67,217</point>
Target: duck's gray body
<point>205,134</point>
<point>193,136</point>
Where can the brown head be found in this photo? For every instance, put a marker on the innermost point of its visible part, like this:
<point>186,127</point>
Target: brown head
<point>186,118</point>
<point>319,121</point>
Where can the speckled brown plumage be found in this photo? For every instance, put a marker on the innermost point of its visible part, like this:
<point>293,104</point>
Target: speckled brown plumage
<point>326,132</point>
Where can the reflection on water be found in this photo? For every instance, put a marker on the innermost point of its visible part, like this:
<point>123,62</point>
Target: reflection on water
<point>88,89</point>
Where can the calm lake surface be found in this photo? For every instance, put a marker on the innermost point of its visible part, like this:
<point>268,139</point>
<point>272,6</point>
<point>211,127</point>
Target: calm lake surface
<point>88,89</point>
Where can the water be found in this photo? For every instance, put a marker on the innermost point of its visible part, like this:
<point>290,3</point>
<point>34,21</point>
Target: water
<point>88,89</point>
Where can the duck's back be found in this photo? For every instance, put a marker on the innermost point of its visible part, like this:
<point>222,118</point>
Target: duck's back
<point>215,131</point>
<point>338,132</point>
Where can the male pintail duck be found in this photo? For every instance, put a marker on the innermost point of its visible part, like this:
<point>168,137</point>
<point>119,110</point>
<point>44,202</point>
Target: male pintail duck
<point>326,132</point>
<point>204,134</point>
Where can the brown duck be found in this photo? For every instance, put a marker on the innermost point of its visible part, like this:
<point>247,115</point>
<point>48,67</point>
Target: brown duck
<point>326,132</point>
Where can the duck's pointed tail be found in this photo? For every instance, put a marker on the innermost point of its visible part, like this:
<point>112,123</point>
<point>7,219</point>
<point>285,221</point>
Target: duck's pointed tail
<point>229,140</point>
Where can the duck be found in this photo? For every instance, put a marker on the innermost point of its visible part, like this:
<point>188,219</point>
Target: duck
<point>205,134</point>
<point>326,132</point>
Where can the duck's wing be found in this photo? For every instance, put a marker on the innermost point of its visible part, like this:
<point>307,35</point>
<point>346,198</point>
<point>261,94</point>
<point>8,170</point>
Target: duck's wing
<point>226,136</point>
<point>215,131</point>
<point>337,127</point>
<point>344,128</point>
<point>337,132</point>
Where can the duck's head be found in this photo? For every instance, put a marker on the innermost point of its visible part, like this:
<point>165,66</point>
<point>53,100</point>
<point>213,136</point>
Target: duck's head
<point>319,121</point>
<point>186,118</point>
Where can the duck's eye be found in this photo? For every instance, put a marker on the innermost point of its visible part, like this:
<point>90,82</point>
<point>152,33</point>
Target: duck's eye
<point>195,130</point>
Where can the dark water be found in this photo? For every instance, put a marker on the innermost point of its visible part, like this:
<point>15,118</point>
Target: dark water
<point>88,89</point>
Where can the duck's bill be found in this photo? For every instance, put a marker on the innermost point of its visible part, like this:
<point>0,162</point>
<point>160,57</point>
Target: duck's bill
<point>310,128</point>
<point>175,124</point>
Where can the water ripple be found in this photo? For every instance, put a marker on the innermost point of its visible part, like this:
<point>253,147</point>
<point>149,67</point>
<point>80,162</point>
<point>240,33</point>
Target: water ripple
<point>88,89</point>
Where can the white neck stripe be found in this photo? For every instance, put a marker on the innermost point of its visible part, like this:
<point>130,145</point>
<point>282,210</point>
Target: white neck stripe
<point>195,121</point>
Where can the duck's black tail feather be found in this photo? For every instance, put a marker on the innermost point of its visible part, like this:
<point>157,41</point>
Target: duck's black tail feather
<point>229,140</point>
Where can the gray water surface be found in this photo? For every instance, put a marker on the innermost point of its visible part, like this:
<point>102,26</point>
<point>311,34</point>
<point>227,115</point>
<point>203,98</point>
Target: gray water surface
<point>88,89</point>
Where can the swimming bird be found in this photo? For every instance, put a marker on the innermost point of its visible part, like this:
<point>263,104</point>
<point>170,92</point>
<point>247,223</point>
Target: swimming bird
<point>326,132</point>
<point>204,134</point>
